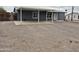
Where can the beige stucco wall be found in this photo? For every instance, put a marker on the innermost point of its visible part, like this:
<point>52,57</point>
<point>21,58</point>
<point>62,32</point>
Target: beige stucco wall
<point>75,17</point>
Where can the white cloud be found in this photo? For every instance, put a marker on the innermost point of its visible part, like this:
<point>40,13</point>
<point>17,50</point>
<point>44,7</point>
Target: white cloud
<point>8,8</point>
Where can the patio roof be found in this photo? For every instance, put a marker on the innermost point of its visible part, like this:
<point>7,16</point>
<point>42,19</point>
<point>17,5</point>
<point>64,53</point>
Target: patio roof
<point>71,13</point>
<point>47,8</point>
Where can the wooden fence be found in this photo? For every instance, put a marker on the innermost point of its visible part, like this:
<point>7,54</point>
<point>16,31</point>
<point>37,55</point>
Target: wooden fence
<point>5,16</point>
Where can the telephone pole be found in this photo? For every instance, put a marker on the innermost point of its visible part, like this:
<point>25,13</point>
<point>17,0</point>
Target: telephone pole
<point>72,13</point>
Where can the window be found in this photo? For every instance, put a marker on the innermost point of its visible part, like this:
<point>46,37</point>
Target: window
<point>35,15</point>
<point>49,15</point>
<point>78,16</point>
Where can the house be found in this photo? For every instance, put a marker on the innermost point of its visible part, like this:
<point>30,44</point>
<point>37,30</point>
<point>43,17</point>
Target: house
<point>75,16</point>
<point>38,13</point>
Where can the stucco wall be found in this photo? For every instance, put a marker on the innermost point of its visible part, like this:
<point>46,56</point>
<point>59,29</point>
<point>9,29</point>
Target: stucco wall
<point>75,17</point>
<point>58,15</point>
<point>61,16</point>
<point>27,15</point>
<point>42,15</point>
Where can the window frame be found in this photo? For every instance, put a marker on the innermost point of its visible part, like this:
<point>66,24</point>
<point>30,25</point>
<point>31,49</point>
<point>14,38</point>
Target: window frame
<point>34,16</point>
<point>78,16</point>
<point>49,15</point>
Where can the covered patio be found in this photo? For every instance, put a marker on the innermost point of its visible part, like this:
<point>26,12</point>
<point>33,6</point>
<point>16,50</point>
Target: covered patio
<point>37,14</point>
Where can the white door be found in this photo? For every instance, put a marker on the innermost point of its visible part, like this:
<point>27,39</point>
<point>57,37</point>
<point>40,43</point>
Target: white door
<point>55,16</point>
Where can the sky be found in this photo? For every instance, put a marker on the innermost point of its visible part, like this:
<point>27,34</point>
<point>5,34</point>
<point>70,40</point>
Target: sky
<point>8,8</point>
<point>68,8</point>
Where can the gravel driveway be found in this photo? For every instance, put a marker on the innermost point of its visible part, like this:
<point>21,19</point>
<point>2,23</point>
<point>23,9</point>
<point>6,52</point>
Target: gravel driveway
<point>56,37</point>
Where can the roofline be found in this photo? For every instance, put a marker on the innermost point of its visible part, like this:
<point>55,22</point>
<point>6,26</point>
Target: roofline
<point>50,9</point>
<point>73,13</point>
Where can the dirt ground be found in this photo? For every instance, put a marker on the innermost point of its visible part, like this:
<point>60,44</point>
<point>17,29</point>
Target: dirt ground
<point>56,37</point>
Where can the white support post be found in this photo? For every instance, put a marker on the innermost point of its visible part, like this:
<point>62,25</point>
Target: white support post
<point>52,16</point>
<point>21,14</point>
<point>38,16</point>
<point>46,16</point>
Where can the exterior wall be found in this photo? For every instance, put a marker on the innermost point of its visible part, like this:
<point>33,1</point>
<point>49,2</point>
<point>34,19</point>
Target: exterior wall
<point>55,16</point>
<point>42,15</point>
<point>27,15</point>
<point>75,17</point>
<point>68,17</point>
<point>59,15</point>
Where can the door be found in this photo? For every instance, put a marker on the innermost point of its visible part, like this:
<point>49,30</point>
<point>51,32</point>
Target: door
<point>49,16</point>
<point>55,16</point>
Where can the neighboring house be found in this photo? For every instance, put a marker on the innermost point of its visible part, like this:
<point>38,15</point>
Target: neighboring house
<point>38,13</point>
<point>75,16</point>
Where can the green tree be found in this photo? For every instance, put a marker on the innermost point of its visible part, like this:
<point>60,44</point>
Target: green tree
<point>2,9</point>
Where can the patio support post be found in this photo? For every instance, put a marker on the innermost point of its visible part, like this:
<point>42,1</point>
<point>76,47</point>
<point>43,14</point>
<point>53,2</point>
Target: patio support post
<point>52,16</point>
<point>21,14</point>
<point>46,16</point>
<point>38,16</point>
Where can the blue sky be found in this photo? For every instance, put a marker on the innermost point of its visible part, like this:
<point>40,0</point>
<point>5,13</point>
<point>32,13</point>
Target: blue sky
<point>76,8</point>
<point>8,8</point>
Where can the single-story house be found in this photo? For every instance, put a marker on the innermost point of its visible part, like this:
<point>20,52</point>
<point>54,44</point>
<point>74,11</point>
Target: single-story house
<point>75,16</point>
<point>38,13</point>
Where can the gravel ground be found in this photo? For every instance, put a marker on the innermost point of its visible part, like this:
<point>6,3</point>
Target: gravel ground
<point>56,37</point>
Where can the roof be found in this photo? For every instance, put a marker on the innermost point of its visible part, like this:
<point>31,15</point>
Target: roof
<point>47,8</point>
<point>71,13</point>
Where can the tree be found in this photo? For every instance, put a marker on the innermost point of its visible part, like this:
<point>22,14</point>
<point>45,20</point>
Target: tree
<point>2,10</point>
